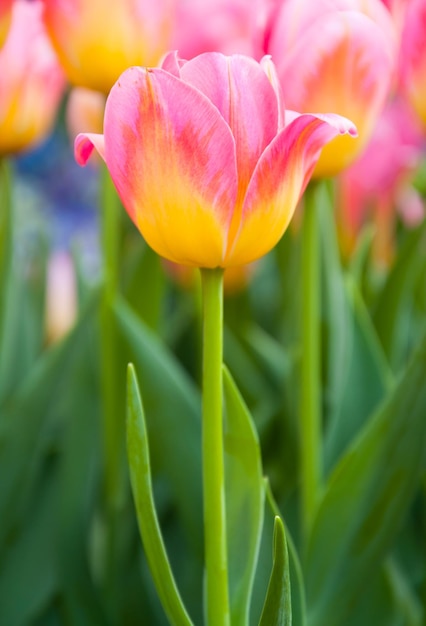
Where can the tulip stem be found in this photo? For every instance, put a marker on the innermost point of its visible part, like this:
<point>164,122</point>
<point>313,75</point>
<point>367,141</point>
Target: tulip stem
<point>113,434</point>
<point>213,458</point>
<point>310,405</point>
<point>5,216</point>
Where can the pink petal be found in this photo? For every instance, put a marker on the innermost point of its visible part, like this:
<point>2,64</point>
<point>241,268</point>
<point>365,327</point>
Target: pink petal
<point>172,159</point>
<point>172,63</point>
<point>240,89</point>
<point>84,145</point>
<point>278,182</point>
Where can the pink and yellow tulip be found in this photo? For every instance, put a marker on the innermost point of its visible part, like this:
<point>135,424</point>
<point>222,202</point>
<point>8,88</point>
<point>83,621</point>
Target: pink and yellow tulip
<point>413,57</point>
<point>31,80</point>
<point>379,183</point>
<point>5,17</point>
<point>334,55</point>
<point>202,160</point>
<point>96,41</point>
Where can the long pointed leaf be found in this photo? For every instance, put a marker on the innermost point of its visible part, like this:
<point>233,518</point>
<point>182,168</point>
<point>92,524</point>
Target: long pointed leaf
<point>244,500</point>
<point>140,475</point>
<point>277,607</point>
<point>366,498</point>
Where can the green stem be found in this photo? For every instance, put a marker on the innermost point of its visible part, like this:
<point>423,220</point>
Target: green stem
<point>113,429</point>
<point>310,406</point>
<point>213,461</point>
<point>6,225</point>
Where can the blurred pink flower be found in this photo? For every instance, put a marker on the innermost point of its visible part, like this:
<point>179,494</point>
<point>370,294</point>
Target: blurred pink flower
<point>97,40</point>
<point>201,160</point>
<point>378,183</point>
<point>5,17</point>
<point>61,296</point>
<point>214,25</point>
<point>334,55</point>
<point>31,80</point>
<point>412,63</point>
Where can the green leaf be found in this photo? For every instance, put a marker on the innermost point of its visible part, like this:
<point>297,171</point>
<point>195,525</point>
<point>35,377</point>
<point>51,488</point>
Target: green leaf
<point>362,366</point>
<point>244,500</point>
<point>353,357</point>
<point>391,315</point>
<point>28,577</point>
<point>386,601</point>
<point>140,475</point>
<point>298,596</point>
<point>146,296</point>
<point>173,408</point>
<point>79,470</point>
<point>366,499</point>
<point>29,417</point>
<point>22,319</point>
<point>277,607</point>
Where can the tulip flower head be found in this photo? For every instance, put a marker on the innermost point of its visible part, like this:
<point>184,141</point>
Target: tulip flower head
<point>96,41</point>
<point>213,25</point>
<point>202,160</point>
<point>334,55</point>
<point>413,57</point>
<point>31,80</point>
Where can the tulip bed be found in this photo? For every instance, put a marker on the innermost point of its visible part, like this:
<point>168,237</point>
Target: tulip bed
<point>224,422</point>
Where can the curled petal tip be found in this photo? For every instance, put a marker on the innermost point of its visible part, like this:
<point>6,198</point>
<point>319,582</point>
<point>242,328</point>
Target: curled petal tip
<point>85,144</point>
<point>343,125</point>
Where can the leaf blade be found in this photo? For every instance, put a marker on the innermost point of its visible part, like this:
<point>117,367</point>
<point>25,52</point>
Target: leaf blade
<point>140,476</point>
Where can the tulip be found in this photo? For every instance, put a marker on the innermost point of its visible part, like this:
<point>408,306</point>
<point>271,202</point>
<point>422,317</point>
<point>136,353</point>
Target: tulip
<point>31,80</point>
<point>334,55</point>
<point>96,41</point>
<point>5,17</point>
<point>413,57</point>
<point>202,160</point>
<point>214,25</point>
<point>380,182</point>
<point>61,296</point>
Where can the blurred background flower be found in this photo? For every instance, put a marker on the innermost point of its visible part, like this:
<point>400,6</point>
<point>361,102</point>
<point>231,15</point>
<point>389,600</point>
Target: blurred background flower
<point>412,61</point>
<point>95,42</point>
<point>31,81</point>
<point>378,186</point>
<point>334,56</point>
<point>5,17</point>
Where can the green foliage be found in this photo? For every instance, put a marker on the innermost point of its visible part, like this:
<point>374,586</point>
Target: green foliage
<point>68,557</point>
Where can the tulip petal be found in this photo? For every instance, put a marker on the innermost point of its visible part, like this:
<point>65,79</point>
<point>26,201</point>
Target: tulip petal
<point>279,180</point>
<point>84,145</point>
<point>96,41</point>
<point>172,158</point>
<point>242,92</point>
<point>343,62</point>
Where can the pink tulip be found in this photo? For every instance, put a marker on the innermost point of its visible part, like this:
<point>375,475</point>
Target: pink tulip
<point>200,161</point>
<point>31,80</point>
<point>379,182</point>
<point>97,40</point>
<point>61,296</point>
<point>334,55</point>
<point>5,17</point>
<point>214,25</point>
<point>413,57</point>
